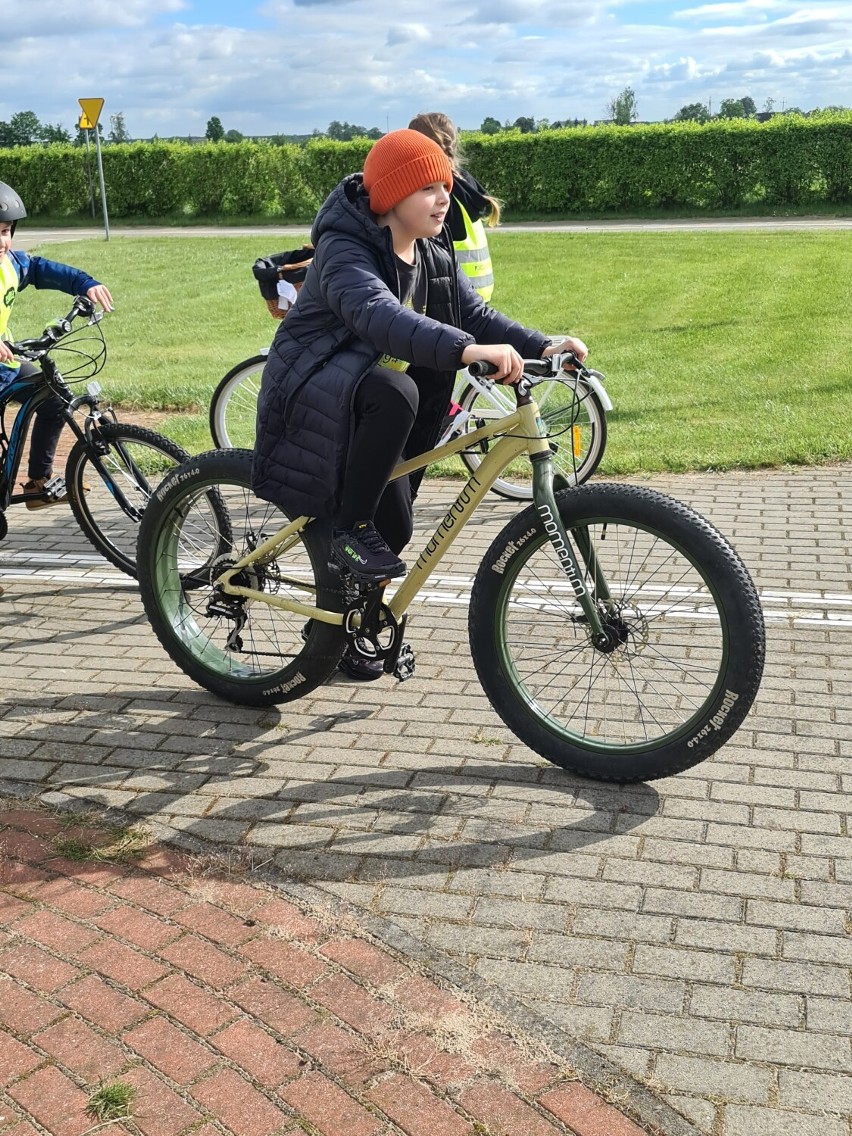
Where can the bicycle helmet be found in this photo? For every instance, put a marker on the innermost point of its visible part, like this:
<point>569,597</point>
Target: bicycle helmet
<point>11,207</point>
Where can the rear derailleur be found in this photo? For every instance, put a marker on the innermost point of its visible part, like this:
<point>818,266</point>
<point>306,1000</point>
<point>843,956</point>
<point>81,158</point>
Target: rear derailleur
<point>233,608</point>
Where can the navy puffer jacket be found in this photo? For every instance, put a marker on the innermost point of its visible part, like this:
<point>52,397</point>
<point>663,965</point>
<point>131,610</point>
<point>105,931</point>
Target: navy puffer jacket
<point>346,317</point>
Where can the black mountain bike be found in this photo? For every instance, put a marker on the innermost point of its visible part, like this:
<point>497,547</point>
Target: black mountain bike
<point>113,467</point>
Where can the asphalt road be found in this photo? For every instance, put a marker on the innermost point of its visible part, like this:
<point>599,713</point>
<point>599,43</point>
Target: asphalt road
<point>27,238</point>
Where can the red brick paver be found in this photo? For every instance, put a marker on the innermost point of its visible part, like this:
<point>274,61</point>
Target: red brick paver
<point>231,1010</point>
<point>79,1048</point>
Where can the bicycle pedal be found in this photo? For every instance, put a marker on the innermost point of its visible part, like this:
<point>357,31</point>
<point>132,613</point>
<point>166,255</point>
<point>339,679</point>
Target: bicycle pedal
<point>405,664</point>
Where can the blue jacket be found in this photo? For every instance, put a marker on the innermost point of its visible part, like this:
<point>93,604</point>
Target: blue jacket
<point>42,273</point>
<point>347,316</point>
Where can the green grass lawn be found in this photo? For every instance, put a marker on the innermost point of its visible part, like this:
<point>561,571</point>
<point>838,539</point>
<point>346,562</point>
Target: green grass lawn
<point>721,350</point>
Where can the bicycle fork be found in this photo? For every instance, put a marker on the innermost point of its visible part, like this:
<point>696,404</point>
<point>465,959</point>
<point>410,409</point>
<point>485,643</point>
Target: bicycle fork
<point>547,509</point>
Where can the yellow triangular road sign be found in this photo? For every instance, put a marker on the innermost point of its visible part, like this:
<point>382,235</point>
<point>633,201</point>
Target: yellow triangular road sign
<point>84,123</point>
<point>91,110</point>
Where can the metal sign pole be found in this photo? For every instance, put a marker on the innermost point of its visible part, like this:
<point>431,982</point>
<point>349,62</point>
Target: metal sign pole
<point>89,175</point>
<point>91,109</point>
<point>101,176</point>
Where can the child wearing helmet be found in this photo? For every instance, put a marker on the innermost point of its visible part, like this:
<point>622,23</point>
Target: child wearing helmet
<point>470,204</point>
<point>359,374</point>
<point>18,271</point>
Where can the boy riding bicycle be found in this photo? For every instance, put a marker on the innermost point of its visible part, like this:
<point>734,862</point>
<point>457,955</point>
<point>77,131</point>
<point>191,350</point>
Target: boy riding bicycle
<point>17,271</point>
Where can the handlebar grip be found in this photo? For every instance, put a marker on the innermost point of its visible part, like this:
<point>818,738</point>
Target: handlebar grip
<point>480,369</point>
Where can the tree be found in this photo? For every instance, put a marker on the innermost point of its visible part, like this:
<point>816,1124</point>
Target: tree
<point>23,129</point>
<point>692,112</point>
<point>118,132</point>
<point>622,110</point>
<point>490,126</point>
<point>346,131</point>
<point>215,130</point>
<point>737,108</point>
<point>54,133</point>
<point>233,136</point>
<point>525,125</point>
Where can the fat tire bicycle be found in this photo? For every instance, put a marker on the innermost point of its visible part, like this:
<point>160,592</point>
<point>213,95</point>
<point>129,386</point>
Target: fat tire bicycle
<point>113,467</point>
<point>613,629</point>
<point>575,412</point>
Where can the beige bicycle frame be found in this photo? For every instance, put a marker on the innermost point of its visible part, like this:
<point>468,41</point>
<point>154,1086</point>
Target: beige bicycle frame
<point>520,432</point>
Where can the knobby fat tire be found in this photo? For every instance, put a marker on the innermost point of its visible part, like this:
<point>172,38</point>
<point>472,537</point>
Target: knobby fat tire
<point>79,467</point>
<point>214,474</point>
<point>735,685</point>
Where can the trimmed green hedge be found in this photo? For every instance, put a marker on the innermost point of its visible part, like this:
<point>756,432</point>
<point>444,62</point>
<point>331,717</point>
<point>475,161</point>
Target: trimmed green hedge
<point>790,160</point>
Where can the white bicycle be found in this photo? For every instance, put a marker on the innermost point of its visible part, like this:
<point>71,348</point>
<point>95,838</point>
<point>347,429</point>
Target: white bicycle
<point>574,413</point>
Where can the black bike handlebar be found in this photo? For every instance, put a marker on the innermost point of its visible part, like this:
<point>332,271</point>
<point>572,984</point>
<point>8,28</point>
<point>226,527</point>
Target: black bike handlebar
<point>543,368</point>
<point>35,348</point>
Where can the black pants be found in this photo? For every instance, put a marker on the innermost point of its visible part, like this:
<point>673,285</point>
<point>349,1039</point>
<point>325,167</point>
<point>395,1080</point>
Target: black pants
<point>46,428</point>
<point>385,408</point>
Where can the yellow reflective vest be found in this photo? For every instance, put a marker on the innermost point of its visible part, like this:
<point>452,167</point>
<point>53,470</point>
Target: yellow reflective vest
<point>473,255</point>
<point>8,292</point>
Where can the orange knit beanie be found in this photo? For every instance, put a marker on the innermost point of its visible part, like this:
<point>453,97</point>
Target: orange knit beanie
<point>400,163</point>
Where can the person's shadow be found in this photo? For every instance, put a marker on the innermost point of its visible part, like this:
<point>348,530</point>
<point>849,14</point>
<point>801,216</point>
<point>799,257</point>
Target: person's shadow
<point>375,824</point>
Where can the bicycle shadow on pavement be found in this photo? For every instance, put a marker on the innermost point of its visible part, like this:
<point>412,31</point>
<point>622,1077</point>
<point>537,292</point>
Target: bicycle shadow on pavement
<point>377,825</point>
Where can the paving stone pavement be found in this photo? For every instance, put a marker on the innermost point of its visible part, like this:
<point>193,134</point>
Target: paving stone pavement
<point>694,931</point>
<point>225,1009</point>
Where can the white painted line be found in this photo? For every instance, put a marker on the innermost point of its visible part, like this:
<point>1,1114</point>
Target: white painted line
<point>793,608</point>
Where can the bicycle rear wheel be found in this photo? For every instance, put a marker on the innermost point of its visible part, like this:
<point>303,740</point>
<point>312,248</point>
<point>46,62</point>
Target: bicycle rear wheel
<point>685,637</point>
<point>576,425</point>
<point>205,518</point>
<point>109,492</point>
<point>233,407</point>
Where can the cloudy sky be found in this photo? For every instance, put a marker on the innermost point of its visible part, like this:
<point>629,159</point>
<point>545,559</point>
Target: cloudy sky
<point>290,66</point>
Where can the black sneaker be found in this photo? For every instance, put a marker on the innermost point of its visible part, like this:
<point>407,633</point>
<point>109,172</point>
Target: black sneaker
<point>364,553</point>
<point>356,665</point>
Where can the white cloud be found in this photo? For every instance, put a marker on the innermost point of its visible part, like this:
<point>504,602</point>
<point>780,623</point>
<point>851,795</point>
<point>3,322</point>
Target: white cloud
<point>407,33</point>
<point>732,11</point>
<point>46,18</point>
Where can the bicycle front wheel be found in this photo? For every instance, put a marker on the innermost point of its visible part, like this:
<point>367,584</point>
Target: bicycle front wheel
<point>576,425</point>
<point>684,652</point>
<point>204,519</point>
<point>233,407</point>
<point>109,492</point>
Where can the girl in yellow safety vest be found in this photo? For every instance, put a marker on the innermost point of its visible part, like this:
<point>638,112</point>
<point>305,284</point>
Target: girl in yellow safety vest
<point>469,204</point>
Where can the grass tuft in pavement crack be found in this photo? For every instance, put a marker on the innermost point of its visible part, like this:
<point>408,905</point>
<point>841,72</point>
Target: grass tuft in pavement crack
<point>111,1100</point>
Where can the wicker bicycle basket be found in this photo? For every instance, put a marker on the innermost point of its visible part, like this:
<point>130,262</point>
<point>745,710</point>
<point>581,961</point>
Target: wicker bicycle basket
<point>290,266</point>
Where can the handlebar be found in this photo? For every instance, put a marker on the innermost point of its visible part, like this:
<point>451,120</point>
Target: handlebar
<point>535,370</point>
<point>35,348</point>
